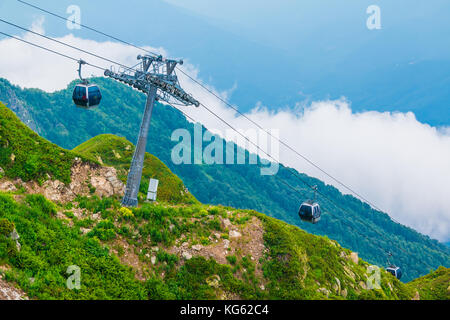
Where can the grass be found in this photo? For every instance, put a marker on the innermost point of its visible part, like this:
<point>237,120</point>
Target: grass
<point>118,152</point>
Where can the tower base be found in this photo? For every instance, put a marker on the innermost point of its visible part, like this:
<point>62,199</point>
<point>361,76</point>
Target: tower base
<point>129,202</point>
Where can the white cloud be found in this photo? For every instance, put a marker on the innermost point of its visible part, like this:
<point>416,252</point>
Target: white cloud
<point>33,67</point>
<point>398,163</point>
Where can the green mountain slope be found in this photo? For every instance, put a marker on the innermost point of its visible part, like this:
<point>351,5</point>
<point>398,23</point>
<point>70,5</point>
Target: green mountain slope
<point>167,250</point>
<point>434,286</point>
<point>118,152</point>
<point>25,155</point>
<point>241,186</point>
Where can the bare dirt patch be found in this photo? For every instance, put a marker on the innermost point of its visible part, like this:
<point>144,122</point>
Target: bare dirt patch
<point>247,241</point>
<point>7,290</point>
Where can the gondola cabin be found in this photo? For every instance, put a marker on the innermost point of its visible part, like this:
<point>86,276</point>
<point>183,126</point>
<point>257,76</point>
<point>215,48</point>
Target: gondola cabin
<point>395,271</point>
<point>309,212</point>
<point>86,96</point>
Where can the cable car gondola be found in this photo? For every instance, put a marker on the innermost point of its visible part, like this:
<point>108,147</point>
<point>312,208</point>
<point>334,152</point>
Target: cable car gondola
<point>309,211</point>
<point>393,269</point>
<point>85,95</point>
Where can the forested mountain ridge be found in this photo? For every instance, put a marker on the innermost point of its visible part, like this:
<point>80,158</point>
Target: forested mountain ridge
<point>175,248</point>
<point>358,227</point>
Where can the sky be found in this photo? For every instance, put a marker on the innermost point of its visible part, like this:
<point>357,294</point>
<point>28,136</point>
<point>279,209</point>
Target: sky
<point>281,52</point>
<point>396,161</point>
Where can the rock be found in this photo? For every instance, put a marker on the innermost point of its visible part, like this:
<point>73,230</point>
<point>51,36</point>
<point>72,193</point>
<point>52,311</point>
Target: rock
<point>116,154</point>
<point>84,230</point>
<point>337,286</point>
<point>7,186</point>
<point>417,296</point>
<point>217,235</point>
<point>349,273</point>
<point>184,244</point>
<point>171,227</point>
<point>186,255</point>
<point>262,287</point>
<point>390,286</point>
<point>155,249</point>
<point>12,157</point>
<point>226,243</point>
<point>234,234</point>
<point>342,255</point>
<point>213,281</point>
<point>226,223</point>
<point>354,257</point>
<point>344,293</point>
<point>362,285</point>
<point>197,247</point>
<point>153,260</point>
<point>14,235</point>
<point>324,291</point>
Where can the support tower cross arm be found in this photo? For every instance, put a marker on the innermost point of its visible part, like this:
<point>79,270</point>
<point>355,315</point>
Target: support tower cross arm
<point>155,77</point>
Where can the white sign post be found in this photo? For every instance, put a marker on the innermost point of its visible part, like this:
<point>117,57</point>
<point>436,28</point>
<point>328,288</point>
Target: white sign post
<point>152,189</point>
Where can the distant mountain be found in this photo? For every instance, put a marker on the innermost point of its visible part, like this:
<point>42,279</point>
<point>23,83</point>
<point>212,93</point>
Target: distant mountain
<point>357,227</point>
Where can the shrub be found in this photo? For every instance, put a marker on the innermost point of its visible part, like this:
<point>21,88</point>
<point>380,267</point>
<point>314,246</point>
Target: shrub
<point>232,259</point>
<point>127,214</point>
<point>6,227</point>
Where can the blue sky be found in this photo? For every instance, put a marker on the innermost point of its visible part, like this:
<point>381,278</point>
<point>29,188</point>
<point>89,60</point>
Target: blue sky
<point>283,52</point>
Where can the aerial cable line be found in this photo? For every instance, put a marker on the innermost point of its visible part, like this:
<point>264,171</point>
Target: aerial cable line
<point>128,68</point>
<point>87,27</point>
<point>67,45</point>
<point>358,195</point>
<point>50,50</point>
<point>208,109</point>
<point>100,57</point>
<point>295,174</point>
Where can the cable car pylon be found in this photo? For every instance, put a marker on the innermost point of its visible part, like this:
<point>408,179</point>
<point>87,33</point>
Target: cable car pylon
<point>156,77</point>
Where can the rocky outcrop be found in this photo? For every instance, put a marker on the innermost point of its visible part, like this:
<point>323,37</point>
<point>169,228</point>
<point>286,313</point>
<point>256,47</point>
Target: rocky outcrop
<point>19,108</point>
<point>86,178</point>
<point>7,290</point>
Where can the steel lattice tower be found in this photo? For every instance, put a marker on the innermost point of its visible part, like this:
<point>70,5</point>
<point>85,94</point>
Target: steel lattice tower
<point>155,77</point>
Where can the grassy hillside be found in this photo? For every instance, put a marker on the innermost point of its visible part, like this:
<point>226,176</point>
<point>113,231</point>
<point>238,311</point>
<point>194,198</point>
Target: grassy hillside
<point>168,250</point>
<point>25,155</point>
<point>174,252</point>
<point>241,186</point>
<point>115,151</point>
<point>434,286</point>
